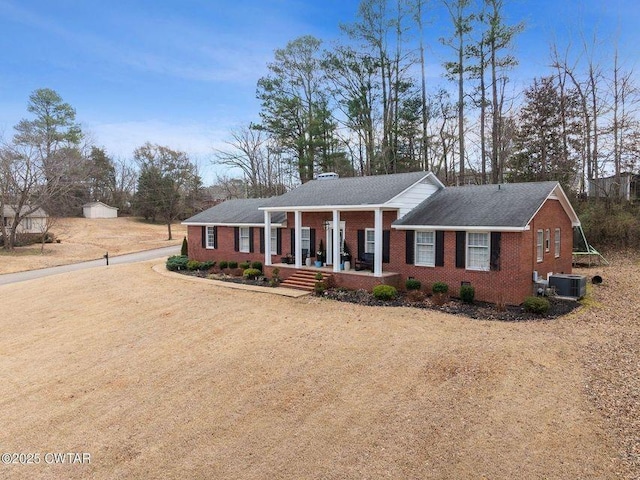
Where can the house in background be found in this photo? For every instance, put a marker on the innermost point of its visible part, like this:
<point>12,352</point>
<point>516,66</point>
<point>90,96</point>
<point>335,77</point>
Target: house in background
<point>34,222</point>
<point>498,238</point>
<point>99,210</point>
<point>628,188</point>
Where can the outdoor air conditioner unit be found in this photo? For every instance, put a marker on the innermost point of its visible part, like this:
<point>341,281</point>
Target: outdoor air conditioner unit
<point>568,285</point>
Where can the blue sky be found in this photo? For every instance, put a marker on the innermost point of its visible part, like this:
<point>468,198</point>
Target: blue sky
<point>183,73</point>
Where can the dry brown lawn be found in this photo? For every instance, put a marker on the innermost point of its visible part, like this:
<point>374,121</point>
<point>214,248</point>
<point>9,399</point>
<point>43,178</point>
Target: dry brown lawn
<point>89,239</point>
<point>157,377</point>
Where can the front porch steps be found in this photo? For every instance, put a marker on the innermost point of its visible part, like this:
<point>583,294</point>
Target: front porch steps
<point>304,280</point>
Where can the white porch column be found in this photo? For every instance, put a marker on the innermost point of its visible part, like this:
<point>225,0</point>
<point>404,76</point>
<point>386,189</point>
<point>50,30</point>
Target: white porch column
<point>377,259</point>
<point>297,216</point>
<point>267,238</point>
<point>336,247</point>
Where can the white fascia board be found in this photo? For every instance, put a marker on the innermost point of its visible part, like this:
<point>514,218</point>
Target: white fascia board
<point>466,228</point>
<point>219,224</point>
<point>327,208</point>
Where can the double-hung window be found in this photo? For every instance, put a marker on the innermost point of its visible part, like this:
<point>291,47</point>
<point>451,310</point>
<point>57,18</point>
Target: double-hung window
<point>369,240</point>
<point>547,240</point>
<point>425,249</point>
<point>478,252</point>
<point>556,241</point>
<point>305,239</point>
<point>211,237</point>
<point>539,245</point>
<point>244,239</point>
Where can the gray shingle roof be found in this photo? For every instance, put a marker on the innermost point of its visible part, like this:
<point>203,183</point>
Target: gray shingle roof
<point>242,211</point>
<point>505,205</point>
<point>372,190</point>
<point>10,211</point>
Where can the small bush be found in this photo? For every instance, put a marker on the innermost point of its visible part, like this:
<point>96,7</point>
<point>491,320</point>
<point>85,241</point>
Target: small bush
<point>251,273</point>
<point>412,284</point>
<point>193,265</point>
<point>385,292</point>
<point>256,265</point>
<point>415,296</point>
<point>233,265</point>
<point>244,265</point>
<point>319,276</point>
<point>319,288</point>
<point>223,264</point>
<point>440,287</point>
<point>467,293</point>
<point>177,262</point>
<point>184,250</point>
<point>537,305</point>
<point>207,265</point>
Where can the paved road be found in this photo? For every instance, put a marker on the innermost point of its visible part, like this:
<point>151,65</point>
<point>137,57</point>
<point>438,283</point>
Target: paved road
<point>129,258</point>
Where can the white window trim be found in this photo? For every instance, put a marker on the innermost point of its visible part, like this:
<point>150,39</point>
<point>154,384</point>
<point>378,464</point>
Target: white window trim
<point>415,248</point>
<point>556,242</point>
<point>248,231</point>
<point>488,247</point>
<point>366,242</point>
<point>210,245</point>
<point>274,240</point>
<point>547,240</point>
<point>305,242</point>
<point>540,245</point>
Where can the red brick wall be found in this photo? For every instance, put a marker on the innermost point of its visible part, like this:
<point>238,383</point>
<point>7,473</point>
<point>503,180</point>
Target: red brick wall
<point>225,250</point>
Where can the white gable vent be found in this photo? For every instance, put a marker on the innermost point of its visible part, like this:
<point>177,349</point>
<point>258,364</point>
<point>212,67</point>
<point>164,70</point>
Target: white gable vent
<point>327,176</point>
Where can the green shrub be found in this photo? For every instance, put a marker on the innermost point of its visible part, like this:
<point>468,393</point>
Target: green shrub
<point>223,264</point>
<point>233,265</point>
<point>385,292</point>
<point>467,293</point>
<point>207,265</point>
<point>251,273</point>
<point>177,262</point>
<point>320,287</point>
<point>193,265</point>
<point>440,287</point>
<point>539,305</point>
<point>412,284</point>
<point>244,265</point>
<point>256,265</point>
<point>184,250</point>
<point>319,276</point>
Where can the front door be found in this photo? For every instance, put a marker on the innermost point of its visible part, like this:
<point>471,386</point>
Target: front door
<point>329,243</point>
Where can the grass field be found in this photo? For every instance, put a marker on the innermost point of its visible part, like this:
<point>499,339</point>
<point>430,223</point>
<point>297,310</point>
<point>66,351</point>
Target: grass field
<point>89,239</point>
<point>157,377</point>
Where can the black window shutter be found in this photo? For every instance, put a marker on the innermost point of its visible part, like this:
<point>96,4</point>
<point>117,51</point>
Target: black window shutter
<point>279,241</point>
<point>236,239</point>
<point>496,238</point>
<point>461,241</point>
<point>439,248</point>
<point>360,243</point>
<point>409,254</point>
<point>312,242</point>
<point>204,237</point>
<point>215,237</point>
<point>262,240</point>
<point>293,241</point>
<point>386,245</point>
<point>250,239</point>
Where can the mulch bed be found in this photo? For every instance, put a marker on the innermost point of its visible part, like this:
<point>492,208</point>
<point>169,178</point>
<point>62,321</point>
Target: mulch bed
<point>476,310</point>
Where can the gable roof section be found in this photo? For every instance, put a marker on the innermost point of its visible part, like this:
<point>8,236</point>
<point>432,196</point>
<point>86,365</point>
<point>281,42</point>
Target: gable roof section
<point>352,192</point>
<point>95,204</point>
<point>236,213</point>
<point>506,207</point>
<point>10,211</point>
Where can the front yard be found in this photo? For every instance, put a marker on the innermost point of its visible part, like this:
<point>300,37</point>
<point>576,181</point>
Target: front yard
<point>158,377</point>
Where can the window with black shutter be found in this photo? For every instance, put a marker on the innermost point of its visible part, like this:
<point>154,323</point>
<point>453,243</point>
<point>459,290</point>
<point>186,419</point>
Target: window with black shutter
<point>409,254</point>
<point>461,238</point>
<point>496,239</point>
<point>439,248</point>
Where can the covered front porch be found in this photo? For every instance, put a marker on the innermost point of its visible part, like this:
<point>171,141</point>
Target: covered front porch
<point>327,234</point>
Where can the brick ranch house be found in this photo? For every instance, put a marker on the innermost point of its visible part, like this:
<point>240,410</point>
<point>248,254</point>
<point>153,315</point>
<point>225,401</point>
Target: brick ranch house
<point>497,238</point>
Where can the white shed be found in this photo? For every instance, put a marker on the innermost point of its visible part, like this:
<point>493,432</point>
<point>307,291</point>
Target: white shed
<point>99,210</point>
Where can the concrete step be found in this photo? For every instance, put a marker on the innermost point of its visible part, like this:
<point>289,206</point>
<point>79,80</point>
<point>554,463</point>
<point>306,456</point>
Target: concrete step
<point>304,280</point>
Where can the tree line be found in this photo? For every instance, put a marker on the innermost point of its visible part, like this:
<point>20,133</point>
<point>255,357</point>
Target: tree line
<point>50,163</point>
<point>368,105</point>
